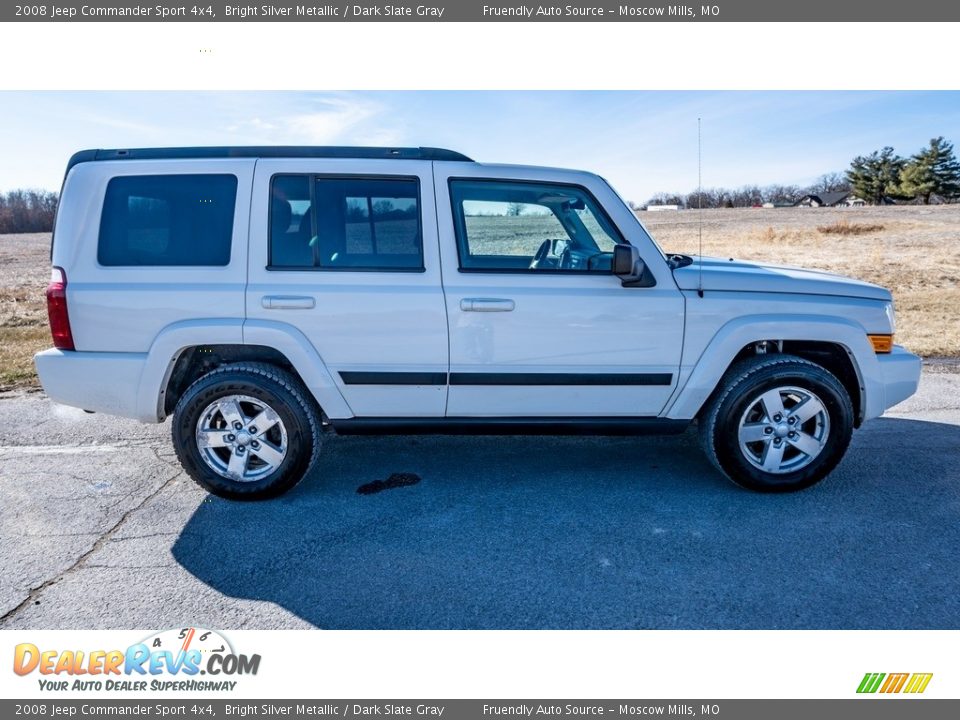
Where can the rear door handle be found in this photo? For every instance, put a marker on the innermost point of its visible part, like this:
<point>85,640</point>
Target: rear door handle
<point>287,302</point>
<point>487,305</point>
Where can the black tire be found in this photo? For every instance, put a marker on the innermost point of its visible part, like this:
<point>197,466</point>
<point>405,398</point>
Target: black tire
<point>299,418</point>
<point>738,392</point>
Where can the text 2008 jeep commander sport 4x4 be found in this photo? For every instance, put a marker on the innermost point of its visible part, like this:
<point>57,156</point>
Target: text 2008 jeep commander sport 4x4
<point>265,295</point>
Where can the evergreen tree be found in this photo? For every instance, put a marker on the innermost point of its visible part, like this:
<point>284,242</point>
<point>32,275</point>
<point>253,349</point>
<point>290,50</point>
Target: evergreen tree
<point>945,167</point>
<point>932,171</point>
<point>876,176</point>
<point>917,179</point>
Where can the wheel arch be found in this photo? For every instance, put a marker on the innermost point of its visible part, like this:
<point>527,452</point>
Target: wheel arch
<point>837,344</point>
<point>182,352</point>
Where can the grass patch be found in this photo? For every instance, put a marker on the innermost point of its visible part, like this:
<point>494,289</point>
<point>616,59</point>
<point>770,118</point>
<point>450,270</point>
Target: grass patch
<point>17,347</point>
<point>845,227</point>
<point>23,332</point>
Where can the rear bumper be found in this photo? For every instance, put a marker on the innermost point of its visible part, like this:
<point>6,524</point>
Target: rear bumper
<point>98,381</point>
<point>900,375</point>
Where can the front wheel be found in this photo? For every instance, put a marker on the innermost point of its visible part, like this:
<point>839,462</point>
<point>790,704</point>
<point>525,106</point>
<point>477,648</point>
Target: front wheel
<point>246,431</point>
<point>778,423</point>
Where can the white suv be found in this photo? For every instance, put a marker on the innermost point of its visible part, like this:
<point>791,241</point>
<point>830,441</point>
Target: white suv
<point>264,296</point>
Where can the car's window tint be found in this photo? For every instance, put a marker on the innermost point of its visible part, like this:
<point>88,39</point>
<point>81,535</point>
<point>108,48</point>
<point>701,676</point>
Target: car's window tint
<point>167,220</point>
<point>345,223</point>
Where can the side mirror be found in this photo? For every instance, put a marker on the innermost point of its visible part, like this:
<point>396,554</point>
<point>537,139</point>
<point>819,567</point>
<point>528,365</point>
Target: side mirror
<point>627,264</point>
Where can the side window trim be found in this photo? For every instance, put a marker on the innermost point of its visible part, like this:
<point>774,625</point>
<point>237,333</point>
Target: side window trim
<point>314,224</point>
<point>459,224</point>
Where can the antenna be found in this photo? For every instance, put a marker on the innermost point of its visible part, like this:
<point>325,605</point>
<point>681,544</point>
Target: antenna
<point>699,210</point>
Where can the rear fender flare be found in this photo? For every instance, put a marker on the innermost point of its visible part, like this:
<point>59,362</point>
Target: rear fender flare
<point>177,337</point>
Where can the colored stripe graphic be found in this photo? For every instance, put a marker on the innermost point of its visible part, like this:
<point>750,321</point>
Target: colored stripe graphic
<point>894,682</point>
<point>918,683</point>
<point>870,682</point>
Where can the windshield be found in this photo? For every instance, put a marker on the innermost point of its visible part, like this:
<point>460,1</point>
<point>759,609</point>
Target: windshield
<point>635,217</point>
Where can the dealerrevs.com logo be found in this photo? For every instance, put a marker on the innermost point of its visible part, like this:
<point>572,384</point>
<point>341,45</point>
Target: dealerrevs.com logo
<point>168,660</point>
<point>911,683</point>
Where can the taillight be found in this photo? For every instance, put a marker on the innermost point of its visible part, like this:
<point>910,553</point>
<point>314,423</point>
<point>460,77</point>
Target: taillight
<point>57,310</point>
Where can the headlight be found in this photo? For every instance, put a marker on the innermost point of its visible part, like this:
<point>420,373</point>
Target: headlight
<point>888,309</point>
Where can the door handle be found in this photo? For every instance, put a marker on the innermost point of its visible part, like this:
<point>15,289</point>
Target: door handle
<point>487,305</point>
<point>287,302</point>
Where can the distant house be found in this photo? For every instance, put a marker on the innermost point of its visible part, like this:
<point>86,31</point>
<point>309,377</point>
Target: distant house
<point>841,198</point>
<point>661,208</point>
<point>933,200</point>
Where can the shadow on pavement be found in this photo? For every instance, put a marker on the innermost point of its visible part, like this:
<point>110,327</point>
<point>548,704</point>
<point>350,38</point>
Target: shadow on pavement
<point>525,532</point>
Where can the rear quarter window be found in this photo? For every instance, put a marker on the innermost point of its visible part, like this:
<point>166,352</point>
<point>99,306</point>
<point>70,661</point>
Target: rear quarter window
<point>172,220</point>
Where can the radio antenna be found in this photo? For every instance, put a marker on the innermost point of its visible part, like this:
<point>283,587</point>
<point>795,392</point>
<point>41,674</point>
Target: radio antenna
<point>699,210</point>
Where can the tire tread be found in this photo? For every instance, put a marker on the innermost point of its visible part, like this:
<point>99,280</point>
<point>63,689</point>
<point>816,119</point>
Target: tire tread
<point>307,406</point>
<point>740,373</point>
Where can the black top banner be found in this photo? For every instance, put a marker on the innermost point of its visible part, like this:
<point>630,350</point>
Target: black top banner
<point>476,11</point>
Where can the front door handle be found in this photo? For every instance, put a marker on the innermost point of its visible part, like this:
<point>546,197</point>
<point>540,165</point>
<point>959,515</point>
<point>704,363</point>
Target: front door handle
<point>287,302</point>
<point>487,305</point>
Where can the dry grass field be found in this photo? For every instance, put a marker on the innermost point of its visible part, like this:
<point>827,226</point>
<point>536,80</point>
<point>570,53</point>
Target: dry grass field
<point>915,251</point>
<point>24,273</point>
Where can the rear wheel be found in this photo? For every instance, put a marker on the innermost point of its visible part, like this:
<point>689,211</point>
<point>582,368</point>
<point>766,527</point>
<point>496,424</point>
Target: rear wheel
<point>777,423</point>
<point>246,431</point>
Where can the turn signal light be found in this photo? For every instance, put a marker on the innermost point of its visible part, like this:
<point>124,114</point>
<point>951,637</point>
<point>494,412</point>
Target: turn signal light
<point>881,343</point>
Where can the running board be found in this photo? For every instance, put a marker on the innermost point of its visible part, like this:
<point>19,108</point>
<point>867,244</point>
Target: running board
<point>510,426</point>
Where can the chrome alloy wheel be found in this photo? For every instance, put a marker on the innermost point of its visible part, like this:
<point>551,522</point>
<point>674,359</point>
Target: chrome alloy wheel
<point>241,438</point>
<point>784,430</point>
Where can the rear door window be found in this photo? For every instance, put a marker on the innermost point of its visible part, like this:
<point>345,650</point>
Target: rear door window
<point>167,220</point>
<point>345,223</point>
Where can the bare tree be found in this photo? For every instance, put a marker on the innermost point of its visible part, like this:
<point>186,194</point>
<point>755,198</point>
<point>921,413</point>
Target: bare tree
<point>663,198</point>
<point>830,182</point>
<point>24,211</point>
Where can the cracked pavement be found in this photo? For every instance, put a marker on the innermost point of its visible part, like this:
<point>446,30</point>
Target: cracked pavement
<point>99,528</point>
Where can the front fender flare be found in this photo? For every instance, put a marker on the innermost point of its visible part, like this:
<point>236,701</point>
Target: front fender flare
<point>708,370</point>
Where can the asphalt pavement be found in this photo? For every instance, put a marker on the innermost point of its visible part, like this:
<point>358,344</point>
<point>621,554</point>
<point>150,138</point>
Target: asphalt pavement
<point>99,528</point>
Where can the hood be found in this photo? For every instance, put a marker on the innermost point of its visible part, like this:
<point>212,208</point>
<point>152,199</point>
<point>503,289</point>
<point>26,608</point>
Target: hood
<point>741,276</point>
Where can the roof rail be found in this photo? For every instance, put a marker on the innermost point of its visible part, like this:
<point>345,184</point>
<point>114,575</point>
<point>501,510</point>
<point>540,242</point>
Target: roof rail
<point>269,151</point>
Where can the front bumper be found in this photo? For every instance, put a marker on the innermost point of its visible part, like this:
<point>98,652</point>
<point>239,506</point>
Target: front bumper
<point>900,375</point>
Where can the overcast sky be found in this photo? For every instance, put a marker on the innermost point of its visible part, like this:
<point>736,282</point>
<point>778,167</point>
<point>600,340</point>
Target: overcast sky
<point>642,142</point>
